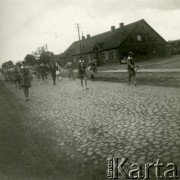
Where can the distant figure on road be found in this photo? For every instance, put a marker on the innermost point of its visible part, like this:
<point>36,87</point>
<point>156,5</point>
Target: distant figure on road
<point>93,69</point>
<point>53,69</point>
<point>11,70</point>
<point>5,74</point>
<point>44,72</point>
<point>131,68</point>
<point>82,71</point>
<point>26,79</point>
<point>58,71</point>
<point>15,75</point>
<point>19,76</point>
<point>70,68</point>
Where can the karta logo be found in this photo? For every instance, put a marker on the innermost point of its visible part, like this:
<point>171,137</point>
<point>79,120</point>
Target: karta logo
<point>117,168</point>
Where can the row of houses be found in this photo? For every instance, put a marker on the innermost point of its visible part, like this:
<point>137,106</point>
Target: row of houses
<point>111,46</point>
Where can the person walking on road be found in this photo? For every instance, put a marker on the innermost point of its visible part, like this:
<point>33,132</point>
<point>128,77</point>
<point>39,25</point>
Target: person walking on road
<point>26,79</point>
<point>53,69</point>
<point>82,72</point>
<point>15,75</point>
<point>58,71</point>
<point>131,68</point>
<point>19,76</point>
<point>70,68</point>
<point>44,72</point>
<point>93,69</point>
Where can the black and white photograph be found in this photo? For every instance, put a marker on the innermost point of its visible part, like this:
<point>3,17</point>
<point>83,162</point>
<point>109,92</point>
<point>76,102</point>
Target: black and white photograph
<point>89,89</point>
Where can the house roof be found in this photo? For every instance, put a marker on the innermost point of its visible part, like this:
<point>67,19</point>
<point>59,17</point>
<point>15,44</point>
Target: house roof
<point>107,40</point>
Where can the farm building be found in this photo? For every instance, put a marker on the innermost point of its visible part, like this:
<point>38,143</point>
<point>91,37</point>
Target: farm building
<point>138,37</point>
<point>174,46</point>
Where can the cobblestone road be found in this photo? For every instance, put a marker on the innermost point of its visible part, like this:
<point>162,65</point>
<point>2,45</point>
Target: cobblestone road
<point>108,120</point>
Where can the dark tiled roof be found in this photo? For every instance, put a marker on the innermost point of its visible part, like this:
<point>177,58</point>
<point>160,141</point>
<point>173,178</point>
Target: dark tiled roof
<point>107,40</point>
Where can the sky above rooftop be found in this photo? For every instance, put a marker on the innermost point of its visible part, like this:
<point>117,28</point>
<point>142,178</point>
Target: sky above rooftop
<point>26,25</point>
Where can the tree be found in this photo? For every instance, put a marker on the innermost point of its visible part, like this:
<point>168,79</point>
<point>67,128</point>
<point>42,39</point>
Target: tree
<point>46,57</point>
<point>30,59</point>
<point>10,63</point>
<point>18,63</point>
<point>39,51</point>
<point>7,64</point>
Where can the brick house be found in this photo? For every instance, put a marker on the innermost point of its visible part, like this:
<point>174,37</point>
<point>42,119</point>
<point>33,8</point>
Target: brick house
<point>138,37</point>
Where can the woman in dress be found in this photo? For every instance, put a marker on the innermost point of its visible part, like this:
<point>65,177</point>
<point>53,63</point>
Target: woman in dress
<point>26,79</point>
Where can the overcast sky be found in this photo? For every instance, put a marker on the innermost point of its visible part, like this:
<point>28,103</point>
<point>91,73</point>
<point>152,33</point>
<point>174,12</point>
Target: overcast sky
<point>28,24</point>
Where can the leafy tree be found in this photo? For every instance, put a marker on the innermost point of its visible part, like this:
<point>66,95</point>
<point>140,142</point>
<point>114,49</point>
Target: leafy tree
<point>46,57</point>
<point>7,64</point>
<point>4,65</point>
<point>18,63</point>
<point>30,59</point>
<point>39,51</point>
<point>10,63</point>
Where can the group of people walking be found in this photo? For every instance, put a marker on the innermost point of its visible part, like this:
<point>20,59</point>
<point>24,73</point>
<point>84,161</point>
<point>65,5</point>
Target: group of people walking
<point>22,75</point>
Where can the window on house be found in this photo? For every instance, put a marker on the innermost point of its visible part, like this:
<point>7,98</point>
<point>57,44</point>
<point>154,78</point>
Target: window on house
<point>139,37</point>
<point>105,55</point>
<point>113,54</point>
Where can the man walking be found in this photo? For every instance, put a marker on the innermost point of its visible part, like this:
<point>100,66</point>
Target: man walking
<point>26,79</point>
<point>82,72</point>
<point>131,68</point>
<point>53,69</point>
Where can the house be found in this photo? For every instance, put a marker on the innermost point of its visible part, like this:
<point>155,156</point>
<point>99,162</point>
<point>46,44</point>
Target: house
<point>138,37</point>
<point>174,46</point>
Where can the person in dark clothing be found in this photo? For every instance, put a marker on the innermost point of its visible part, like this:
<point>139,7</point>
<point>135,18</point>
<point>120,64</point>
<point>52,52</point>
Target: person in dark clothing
<point>53,69</point>
<point>26,79</point>
<point>15,75</point>
<point>82,71</point>
<point>19,76</point>
<point>131,68</point>
<point>44,72</point>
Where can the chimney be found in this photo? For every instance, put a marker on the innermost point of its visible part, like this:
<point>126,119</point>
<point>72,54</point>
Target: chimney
<point>121,25</point>
<point>83,37</point>
<point>88,36</point>
<point>112,28</point>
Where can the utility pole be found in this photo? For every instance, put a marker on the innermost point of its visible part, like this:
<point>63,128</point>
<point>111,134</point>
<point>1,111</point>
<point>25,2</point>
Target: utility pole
<point>79,38</point>
<point>83,45</point>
